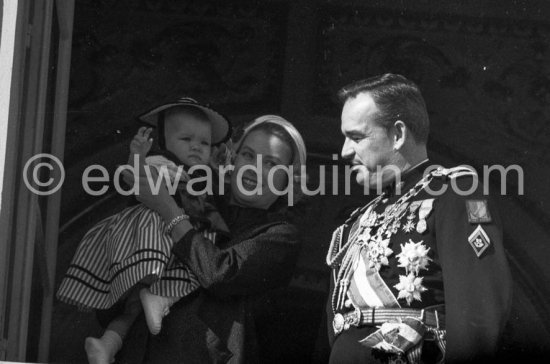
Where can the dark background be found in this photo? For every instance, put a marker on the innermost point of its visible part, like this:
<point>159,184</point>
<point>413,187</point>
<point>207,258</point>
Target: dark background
<point>483,67</point>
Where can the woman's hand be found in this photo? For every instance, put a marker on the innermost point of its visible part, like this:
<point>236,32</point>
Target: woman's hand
<point>154,194</point>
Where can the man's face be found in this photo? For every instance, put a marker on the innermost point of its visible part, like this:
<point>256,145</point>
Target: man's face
<point>369,146</point>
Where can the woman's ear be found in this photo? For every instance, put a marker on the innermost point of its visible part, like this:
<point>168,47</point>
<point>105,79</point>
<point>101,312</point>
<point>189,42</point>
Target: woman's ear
<point>400,134</point>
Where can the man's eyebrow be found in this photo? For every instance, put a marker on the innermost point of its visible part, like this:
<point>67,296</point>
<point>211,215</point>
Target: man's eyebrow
<point>353,133</point>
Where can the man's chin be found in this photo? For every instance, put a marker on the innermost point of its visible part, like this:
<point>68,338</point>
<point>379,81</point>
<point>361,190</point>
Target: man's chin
<point>372,182</point>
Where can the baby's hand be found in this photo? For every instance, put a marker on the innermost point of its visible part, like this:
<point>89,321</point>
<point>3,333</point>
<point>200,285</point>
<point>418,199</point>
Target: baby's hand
<point>141,144</point>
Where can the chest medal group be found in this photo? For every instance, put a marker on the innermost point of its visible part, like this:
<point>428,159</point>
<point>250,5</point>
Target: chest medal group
<point>371,234</point>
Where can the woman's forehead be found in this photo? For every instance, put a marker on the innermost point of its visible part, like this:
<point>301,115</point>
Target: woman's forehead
<point>265,143</point>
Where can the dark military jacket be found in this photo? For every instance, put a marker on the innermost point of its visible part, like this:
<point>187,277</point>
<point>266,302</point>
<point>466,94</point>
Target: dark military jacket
<point>456,233</point>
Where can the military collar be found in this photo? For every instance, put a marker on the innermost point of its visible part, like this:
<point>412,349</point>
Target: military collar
<point>407,179</point>
<point>391,189</point>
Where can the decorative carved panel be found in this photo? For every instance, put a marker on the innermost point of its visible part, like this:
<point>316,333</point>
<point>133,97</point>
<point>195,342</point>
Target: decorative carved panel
<point>129,56</point>
<point>486,83</point>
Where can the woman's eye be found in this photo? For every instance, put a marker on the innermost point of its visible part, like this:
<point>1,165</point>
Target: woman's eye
<point>185,139</point>
<point>270,164</point>
<point>247,155</point>
<point>205,143</point>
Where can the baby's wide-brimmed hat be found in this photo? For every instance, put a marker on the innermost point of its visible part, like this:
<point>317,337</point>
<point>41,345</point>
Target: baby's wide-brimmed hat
<point>221,127</point>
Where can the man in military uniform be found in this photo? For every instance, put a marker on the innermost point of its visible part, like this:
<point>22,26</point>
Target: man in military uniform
<point>419,274</point>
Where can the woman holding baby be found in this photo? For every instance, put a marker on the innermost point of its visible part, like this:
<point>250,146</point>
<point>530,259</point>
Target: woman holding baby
<point>255,254</point>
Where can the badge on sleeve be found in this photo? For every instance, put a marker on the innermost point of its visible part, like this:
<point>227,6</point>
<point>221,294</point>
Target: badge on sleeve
<point>479,240</point>
<point>478,212</point>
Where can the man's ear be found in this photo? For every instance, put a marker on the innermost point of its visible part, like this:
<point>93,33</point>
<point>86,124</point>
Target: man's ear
<point>400,134</point>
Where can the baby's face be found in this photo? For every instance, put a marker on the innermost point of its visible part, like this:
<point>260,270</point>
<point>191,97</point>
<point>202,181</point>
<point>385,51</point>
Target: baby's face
<point>188,138</point>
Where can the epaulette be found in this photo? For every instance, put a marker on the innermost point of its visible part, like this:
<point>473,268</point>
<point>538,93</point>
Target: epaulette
<point>451,173</point>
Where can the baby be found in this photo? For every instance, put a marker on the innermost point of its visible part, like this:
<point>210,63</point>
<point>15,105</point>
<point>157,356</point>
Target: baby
<point>126,257</point>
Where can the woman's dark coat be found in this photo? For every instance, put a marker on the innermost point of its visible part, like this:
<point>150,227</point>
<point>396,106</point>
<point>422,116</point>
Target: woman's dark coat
<point>215,323</point>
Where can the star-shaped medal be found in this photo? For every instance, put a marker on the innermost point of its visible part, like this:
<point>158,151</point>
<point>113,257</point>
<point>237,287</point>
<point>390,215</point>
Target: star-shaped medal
<point>378,252</point>
<point>409,226</point>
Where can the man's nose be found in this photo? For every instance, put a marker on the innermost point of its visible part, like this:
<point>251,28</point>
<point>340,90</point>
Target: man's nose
<point>347,150</point>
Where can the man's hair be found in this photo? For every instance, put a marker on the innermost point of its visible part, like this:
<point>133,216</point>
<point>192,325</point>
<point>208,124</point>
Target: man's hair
<point>397,98</point>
